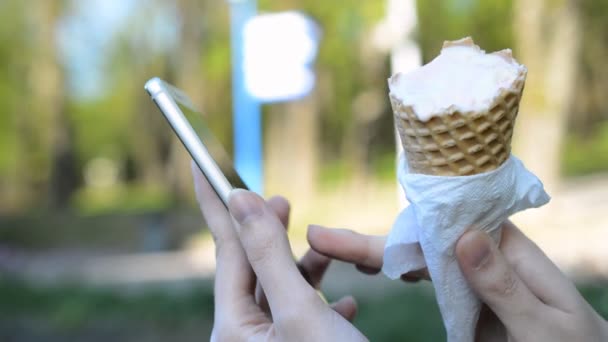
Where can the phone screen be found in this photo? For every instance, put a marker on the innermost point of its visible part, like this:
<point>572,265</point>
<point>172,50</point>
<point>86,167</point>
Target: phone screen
<point>214,147</point>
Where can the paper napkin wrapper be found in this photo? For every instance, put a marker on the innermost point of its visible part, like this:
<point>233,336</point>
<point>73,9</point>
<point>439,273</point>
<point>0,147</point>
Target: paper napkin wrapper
<point>441,209</point>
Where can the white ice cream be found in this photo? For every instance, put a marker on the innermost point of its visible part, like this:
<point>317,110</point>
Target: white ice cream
<point>462,78</point>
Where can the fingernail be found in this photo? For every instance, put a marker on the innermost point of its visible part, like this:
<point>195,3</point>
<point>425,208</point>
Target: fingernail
<point>243,205</point>
<point>478,249</point>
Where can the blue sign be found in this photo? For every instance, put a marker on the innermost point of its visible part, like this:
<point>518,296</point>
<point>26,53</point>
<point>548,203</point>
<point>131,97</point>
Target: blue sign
<point>247,121</point>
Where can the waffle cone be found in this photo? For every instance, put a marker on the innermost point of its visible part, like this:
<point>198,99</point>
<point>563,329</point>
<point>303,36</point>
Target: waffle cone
<point>460,144</point>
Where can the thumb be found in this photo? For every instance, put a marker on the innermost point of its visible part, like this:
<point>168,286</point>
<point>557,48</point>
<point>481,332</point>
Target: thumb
<point>496,283</point>
<point>265,242</point>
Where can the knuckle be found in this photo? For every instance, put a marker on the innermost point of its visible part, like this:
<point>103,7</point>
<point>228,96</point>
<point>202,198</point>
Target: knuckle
<point>506,285</point>
<point>259,249</point>
<point>511,285</point>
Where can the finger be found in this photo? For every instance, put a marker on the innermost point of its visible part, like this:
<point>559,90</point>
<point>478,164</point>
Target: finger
<point>346,307</point>
<point>492,278</point>
<point>234,278</point>
<point>347,246</point>
<point>213,209</point>
<point>314,265</point>
<point>489,327</point>
<point>280,206</point>
<point>264,240</point>
<point>537,271</point>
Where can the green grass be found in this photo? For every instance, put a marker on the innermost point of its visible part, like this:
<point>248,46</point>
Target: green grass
<point>410,314</point>
<point>407,314</point>
<point>66,309</point>
<point>597,296</point>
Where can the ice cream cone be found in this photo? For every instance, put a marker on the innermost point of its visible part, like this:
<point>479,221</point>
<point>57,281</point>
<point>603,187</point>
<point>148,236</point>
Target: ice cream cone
<point>459,144</point>
<point>456,117</point>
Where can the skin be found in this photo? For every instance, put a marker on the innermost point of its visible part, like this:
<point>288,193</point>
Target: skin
<point>527,297</point>
<point>261,293</point>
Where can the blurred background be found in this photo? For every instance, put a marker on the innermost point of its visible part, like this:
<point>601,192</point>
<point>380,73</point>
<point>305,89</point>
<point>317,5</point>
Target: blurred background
<point>100,236</point>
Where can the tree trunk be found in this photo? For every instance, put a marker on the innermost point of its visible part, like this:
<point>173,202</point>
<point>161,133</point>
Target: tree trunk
<point>547,37</point>
<point>591,106</point>
<point>50,139</point>
<point>188,76</point>
<point>291,152</point>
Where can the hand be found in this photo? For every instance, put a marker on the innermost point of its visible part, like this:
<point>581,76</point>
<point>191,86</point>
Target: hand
<point>532,299</point>
<point>252,243</point>
<point>364,251</point>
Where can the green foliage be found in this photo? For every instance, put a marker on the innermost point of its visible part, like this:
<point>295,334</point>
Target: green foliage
<point>102,127</point>
<point>12,82</point>
<point>122,199</point>
<point>489,22</point>
<point>344,25</point>
<point>334,173</point>
<point>586,155</point>
<point>122,125</point>
<point>384,167</point>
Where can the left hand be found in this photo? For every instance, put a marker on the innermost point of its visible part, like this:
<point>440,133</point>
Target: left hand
<point>525,295</point>
<point>364,251</point>
<point>282,304</point>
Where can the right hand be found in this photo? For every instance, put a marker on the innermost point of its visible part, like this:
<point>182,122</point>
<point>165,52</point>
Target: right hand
<point>532,298</point>
<point>260,293</point>
<point>527,297</point>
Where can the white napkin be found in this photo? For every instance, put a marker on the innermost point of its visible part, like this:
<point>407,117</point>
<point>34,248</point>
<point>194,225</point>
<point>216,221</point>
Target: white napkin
<point>441,209</point>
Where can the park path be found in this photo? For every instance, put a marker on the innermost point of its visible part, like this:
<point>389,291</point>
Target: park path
<point>572,230</point>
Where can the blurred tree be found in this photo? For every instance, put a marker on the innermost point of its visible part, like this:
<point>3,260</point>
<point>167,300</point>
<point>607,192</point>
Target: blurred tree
<point>489,22</point>
<point>132,135</point>
<point>548,43</point>
<point>13,87</point>
<point>343,134</point>
<point>186,68</point>
<point>50,136</point>
<point>589,106</point>
<point>45,145</point>
<point>64,177</point>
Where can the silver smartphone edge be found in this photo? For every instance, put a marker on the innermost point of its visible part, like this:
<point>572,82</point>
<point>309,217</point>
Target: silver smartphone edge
<point>162,97</point>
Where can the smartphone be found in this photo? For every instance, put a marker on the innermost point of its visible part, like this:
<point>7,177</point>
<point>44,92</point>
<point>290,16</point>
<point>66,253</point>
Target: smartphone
<point>188,125</point>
